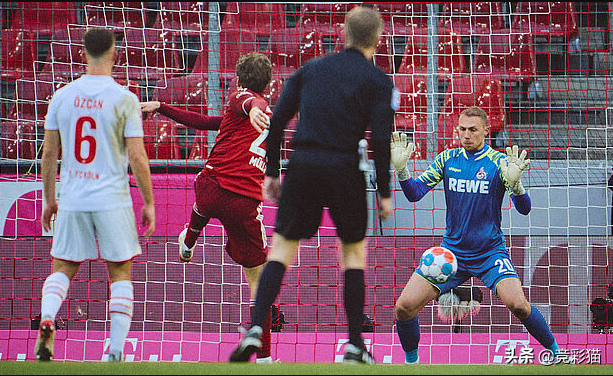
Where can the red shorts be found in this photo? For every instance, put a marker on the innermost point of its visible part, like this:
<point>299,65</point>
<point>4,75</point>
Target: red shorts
<point>241,217</point>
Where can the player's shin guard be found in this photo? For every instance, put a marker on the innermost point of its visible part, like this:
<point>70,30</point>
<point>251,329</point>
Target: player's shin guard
<point>195,226</point>
<point>264,351</point>
<point>538,328</point>
<point>354,305</point>
<point>54,292</point>
<point>409,334</point>
<point>120,308</point>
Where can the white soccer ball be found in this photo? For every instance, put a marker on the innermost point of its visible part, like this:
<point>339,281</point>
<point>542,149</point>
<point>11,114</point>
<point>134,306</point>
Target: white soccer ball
<point>438,264</point>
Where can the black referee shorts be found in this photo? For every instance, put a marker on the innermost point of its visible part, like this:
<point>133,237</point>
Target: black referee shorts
<point>306,190</point>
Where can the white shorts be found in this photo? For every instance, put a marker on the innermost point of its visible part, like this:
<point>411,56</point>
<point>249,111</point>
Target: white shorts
<point>76,233</point>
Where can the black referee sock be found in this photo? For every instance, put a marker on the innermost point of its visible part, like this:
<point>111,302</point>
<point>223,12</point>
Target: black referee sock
<point>268,289</point>
<point>354,305</point>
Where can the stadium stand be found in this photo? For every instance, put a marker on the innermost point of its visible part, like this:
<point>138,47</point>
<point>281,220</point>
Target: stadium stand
<point>43,18</point>
<point>547,19</point>
<point>475,18</point>
<point>471,90</point>
<point>451,58</point>
<point>506,55</point>
<point>18,54</point>
<point>150,54</point>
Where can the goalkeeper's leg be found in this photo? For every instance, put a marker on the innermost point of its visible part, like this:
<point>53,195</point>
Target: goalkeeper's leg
<point>512,295</point>
<point>416,294</point>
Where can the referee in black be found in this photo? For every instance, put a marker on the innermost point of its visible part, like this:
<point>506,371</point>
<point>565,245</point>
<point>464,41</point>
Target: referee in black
<point>338,97</point>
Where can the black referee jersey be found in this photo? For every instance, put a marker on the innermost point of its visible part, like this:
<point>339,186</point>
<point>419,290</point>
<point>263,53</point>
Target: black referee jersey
<point>337,97</point>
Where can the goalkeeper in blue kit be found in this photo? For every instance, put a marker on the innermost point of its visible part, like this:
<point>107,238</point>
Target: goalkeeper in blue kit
<point>476,180</point>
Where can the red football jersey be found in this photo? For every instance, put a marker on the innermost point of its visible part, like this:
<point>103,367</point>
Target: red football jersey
<point>238,158</point>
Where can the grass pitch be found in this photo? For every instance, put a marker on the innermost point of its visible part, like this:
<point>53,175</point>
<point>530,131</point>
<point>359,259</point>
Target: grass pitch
<point>166,368</point>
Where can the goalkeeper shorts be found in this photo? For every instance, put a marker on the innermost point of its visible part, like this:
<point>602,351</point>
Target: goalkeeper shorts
<point>307,189</point>
<point>490,268</point>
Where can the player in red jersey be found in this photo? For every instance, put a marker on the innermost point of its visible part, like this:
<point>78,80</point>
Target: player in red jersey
<point>229,187</point>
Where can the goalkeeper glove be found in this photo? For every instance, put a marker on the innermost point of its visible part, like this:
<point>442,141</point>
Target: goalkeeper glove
<point>458,303</point>
<point>512,168</point>
<point>400,154</point>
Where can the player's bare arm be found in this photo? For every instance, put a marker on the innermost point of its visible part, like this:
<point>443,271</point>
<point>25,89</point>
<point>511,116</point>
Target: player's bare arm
<point>51,148</point>
<point>139,162</point>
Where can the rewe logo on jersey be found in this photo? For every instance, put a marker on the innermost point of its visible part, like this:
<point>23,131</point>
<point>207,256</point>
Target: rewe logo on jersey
<point>469,186</point>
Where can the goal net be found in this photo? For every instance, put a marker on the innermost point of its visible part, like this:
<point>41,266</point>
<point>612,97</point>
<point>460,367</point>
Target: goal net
<point>541,71</point>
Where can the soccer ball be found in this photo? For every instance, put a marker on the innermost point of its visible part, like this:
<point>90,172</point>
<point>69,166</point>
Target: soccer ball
<point>438,264</point>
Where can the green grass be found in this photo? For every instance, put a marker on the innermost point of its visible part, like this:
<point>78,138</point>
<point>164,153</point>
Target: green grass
<point>164,368</point>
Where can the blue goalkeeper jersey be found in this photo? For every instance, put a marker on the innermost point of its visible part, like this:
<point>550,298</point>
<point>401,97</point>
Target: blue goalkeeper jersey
<point>474,190</point>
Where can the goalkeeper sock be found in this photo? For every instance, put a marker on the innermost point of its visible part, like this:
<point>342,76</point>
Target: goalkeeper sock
<point>120,309</point>
<point>268,289</point>
<point>354,305</point>
<point>196,224</point>
<point>408,333</point>
<point>264,351</point>
<point>55,289</point>
<point>538,328</point>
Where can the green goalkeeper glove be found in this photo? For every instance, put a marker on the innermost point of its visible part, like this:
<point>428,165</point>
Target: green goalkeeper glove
<point>512,168</point>
<point>400,154</point>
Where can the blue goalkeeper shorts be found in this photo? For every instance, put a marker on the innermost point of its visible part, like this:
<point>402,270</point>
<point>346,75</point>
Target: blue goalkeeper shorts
<point>490,268</point>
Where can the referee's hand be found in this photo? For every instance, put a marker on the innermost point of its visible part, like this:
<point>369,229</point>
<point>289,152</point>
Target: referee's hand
<point>385,207</point>
<point>272,189</point>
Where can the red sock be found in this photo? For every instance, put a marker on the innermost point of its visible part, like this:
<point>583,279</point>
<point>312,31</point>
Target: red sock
<point>264,351</point>
<point>196,224</point>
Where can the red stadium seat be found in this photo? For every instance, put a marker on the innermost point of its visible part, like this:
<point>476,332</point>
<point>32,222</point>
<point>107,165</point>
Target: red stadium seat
<point>384,55</point>
<point>400,18</point>
<point>412,116</point>
<point>506,56</point>
<point>547,19</point>
<point>115,14</point>
<point>233,43</point>
<point>65,58</point>
<point>450,50</point>
<point>31,98</point>
<point>291,48</point>
<point>324,16</point>
<point>413,101</point>
<point>466,91</point>
<point>149,54</point>
<point>323,19</point>
<point>183,16</point>
<point>161,138</point>
<point>255,17</point>
<point>188,92</point>
<point>468,19</point>
<point>19,138</point>
<point>43,18</point>
<point>18,54</point>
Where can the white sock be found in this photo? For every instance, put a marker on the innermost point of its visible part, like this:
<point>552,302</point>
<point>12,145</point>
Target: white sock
<point>120,308</point>
<point>55,290</point>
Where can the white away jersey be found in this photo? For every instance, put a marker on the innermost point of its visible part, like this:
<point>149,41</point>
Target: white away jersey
<point>93,115</point>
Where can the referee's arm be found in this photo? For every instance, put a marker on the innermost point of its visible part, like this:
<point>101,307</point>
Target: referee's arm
<point>382,120</point>
<point>284,111</point>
